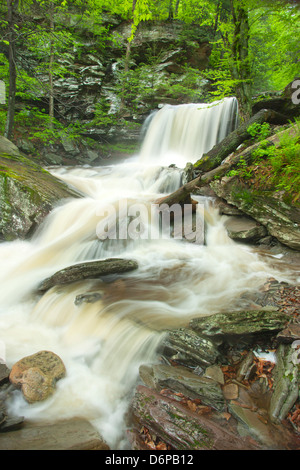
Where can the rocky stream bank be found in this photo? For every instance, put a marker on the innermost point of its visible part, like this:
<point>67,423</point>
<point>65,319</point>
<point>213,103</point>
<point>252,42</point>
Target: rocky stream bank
<point>227,381</point>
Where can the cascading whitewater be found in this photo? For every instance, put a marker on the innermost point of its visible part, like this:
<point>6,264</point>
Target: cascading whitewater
<point>103,343</point>
<point>182,133</point>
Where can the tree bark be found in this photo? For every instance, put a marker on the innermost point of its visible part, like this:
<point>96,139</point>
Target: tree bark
<point>241,67</point>
<point>51,62</point>
<point>216,155</point>
<point>12,6</point>
<point>183,194</point>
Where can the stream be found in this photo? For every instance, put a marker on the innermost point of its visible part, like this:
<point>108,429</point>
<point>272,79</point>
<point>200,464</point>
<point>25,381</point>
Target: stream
<point>103,343</point>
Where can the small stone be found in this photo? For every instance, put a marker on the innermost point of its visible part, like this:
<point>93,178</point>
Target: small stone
<point>289,334</point>
<point>231,391</point>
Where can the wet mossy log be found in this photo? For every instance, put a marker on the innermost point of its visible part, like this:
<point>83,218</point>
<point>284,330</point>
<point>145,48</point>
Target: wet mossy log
<point>216,155</point>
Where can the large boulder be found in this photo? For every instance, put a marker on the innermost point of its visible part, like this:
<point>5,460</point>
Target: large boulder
<point>282,102</point>
<point>27,193</point>
<point>267,207</point>
<point>37,375</point>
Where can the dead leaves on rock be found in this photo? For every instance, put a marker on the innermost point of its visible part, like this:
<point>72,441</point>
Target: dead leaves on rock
<point>153,442</point>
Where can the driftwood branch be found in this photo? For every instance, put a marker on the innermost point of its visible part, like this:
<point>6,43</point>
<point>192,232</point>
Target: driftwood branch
<point>220,151</point>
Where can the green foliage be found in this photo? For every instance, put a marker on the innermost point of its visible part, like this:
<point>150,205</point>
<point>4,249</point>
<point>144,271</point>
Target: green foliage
<point>40,128</point>
<point>274,42</point>
<point>259,131</point>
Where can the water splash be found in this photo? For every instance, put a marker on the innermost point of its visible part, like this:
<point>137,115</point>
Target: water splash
<point>103,343</point>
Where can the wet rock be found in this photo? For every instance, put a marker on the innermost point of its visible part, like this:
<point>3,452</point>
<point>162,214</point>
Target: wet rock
<point>245,229</point>
<point>231,391</point>
<point>290,334</point>
<point>75,434</point>
<point>286,382</point>
<point>240,323</point>
<point>27,193</point>
<point>215,373</point>
<point>180,379</point>
<point>188,173</point>
<point>37,375</point>
<point>7,422</point>
<point>4,373</point>
<point>189,348</point>
<point>88,270</point>
<point>88,298</point>
<point>253,424</point>
<point>247,368</point>
<point>268,208</point>
<point>180,427</point>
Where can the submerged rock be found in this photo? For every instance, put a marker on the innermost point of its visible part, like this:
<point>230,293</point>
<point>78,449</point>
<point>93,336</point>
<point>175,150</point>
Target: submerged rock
<point>88,270</point>
<point>37,375</point>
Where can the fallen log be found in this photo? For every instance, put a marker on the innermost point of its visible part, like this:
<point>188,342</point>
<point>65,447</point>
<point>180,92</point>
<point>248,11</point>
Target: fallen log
<point>220,151</point>
<point>182,195</point>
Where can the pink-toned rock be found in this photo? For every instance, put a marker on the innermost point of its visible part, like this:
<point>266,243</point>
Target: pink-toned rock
<point>37,375</point>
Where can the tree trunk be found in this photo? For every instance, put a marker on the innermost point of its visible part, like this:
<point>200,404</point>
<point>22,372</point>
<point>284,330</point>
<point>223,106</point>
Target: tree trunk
<point>216,155</point>
<point>12,6</point>
<point>183,194</point>
<point>241,67</point>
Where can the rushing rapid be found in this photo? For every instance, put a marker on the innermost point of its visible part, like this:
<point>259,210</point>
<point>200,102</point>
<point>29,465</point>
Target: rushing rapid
<point>103,343</point>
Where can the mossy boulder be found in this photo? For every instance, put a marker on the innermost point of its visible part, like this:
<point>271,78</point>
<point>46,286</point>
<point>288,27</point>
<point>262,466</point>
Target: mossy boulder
<point>240,323</point>
<point>268,208</point>
<point>27,193</point>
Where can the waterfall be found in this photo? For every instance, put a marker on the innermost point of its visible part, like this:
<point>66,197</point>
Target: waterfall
<point>182,133</point>
<point>103,343</point>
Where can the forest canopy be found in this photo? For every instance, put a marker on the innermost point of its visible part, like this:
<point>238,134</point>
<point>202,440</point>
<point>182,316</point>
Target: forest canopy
<point>254,45</point>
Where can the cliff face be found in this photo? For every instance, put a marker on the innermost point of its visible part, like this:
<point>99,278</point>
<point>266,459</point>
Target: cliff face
<point>108,103</point>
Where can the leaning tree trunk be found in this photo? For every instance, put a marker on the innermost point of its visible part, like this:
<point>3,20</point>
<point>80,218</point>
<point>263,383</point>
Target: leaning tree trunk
<point>216,155</point>
<point>183,194</point>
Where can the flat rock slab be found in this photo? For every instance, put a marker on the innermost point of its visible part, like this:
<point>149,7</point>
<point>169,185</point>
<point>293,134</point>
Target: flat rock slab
<point>183,380</point>
<point>75,434</point>
<point>245,229</point>
<point>180,427</point>
<point>240,322</point>
<point>88,270</point>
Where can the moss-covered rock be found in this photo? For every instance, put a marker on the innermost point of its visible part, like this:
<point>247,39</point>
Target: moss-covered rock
<point>240,323</point>
<point>267,207</point>
<point>27,193</point>
<point>88,270</point>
